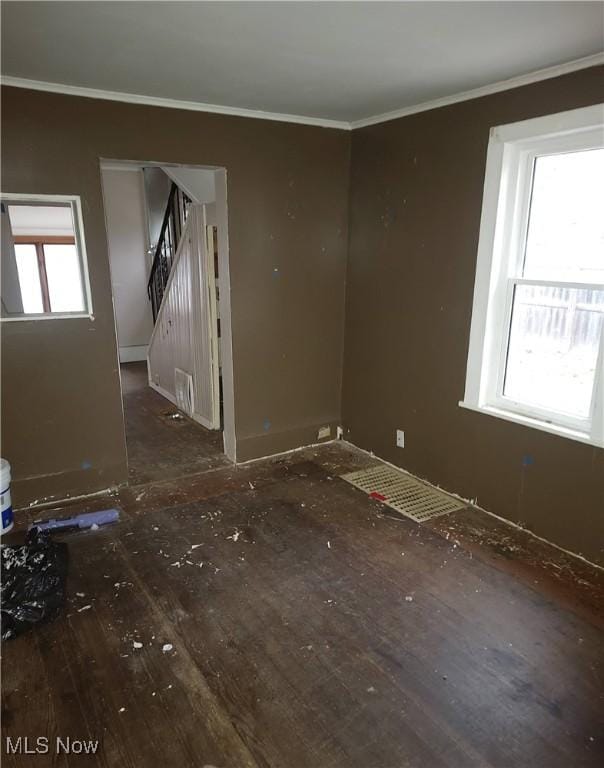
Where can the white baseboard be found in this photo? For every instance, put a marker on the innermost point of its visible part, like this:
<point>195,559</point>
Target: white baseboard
<point>133,354</point>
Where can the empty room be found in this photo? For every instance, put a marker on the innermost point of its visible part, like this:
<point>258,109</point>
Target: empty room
<point>302,384</point>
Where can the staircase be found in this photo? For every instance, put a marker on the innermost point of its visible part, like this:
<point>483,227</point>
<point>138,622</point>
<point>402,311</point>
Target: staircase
<point>171,231</point>
<point>183,356</point>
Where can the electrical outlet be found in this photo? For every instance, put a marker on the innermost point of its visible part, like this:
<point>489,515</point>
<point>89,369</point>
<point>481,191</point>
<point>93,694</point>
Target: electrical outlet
<point>400,438</point>
<point>324,433</point>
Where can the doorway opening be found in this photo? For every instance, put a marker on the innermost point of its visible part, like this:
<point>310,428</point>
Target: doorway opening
<point>167,236</point>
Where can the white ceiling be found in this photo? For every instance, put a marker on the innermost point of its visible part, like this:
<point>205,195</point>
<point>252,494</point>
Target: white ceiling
<point>331,60</point>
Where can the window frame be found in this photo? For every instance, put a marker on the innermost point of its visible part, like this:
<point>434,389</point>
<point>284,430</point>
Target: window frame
<point>511,156</point>
<point>79,240</point>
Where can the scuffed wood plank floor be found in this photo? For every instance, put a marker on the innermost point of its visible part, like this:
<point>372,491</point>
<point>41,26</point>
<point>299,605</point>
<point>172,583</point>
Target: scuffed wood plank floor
<point>159,446</point>
<point>284,620</point>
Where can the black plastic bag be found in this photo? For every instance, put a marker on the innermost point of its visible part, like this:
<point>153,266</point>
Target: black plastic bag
<point>33,582</point>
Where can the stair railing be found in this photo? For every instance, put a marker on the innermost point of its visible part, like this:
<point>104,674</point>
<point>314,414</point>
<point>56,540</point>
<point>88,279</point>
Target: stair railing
<point>169,237</point>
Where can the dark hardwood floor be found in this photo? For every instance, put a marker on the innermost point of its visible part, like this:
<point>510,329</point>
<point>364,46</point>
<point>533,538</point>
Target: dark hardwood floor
<point>271,615</point>
<point>160,446</point>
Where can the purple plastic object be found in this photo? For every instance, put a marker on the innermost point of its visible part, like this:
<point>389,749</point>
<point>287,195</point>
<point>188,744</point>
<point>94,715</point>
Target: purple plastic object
<point>86,520</point>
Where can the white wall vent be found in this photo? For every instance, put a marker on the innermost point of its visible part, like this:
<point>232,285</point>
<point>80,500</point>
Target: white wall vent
<point>183,387</point>
<point>403,492</point>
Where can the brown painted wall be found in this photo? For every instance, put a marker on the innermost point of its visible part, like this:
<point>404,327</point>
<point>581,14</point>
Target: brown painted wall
<point>415,213</point>
<point>62,425</point>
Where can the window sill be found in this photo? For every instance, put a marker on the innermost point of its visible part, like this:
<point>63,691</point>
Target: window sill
<point>527,421</point>
<point>48,316</point>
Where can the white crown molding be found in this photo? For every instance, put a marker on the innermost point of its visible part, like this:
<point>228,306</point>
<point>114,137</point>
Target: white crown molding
<point>195,106</point>
<point>156,101</point>
<point>485,90</point>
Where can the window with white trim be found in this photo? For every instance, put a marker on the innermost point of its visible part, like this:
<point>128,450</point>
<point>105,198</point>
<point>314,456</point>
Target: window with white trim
<point>43,258</point>
<point>537,339</point>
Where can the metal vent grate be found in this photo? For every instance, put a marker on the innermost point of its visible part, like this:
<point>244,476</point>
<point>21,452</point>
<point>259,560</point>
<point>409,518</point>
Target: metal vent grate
<point>403,492</point>
<point>183,385</point>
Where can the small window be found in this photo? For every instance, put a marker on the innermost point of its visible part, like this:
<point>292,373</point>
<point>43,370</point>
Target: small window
<point>44,270</point>
<point>536,344</point>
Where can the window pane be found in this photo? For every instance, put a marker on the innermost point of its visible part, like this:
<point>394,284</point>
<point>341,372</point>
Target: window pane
<point>29,278</point>
<point>553,348</point>
<point>64,278</point>
<point>39,221</point>
<point>566,225</point>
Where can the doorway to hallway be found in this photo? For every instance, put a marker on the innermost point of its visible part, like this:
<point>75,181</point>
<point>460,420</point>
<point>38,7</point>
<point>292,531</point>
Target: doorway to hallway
<point>167,233</point>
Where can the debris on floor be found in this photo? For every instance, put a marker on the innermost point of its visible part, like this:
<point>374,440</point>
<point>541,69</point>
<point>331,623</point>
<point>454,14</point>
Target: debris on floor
<point>174,415</point>
<point>33,582</point>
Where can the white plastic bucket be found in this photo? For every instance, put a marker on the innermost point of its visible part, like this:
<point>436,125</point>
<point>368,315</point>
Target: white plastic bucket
<point>5,504</point>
